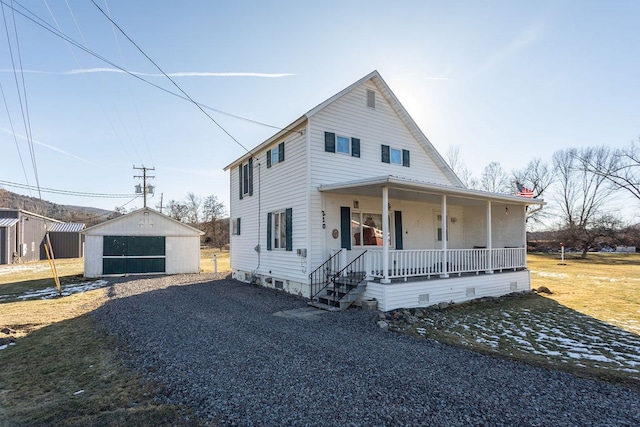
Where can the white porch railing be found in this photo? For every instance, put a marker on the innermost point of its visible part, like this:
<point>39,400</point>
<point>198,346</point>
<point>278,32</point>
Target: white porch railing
<point>431,262</point>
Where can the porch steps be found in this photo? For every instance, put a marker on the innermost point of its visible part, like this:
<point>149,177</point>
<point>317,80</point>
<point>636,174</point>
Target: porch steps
<point>341,292</point>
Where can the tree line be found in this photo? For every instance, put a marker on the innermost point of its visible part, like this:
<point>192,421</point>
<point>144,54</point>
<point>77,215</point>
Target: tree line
<point>206,214</point>
<point>577,183</point>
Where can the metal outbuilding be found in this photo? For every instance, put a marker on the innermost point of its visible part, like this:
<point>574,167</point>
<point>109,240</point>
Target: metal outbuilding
<point>22,234</point>
<point>67,240</point>
<point>141,242</point>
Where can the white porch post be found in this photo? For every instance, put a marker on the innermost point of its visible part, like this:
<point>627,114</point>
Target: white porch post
<point>489,242</point>
<point>445,267</point>
<point>385,235</point>
<point>524,234</point>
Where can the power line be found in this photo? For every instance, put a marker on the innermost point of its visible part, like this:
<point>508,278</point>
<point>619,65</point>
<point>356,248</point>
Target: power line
<point>13,132</point>
<point>23,107</point>
<point>169,78</point>
<point>46,26</point>
<point>67,192</point>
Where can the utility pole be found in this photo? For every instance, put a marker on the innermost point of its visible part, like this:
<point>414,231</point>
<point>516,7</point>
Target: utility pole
<point>144,189</point>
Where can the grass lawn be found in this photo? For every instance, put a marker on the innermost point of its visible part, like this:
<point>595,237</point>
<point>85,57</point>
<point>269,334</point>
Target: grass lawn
<point>589,325</point>
<point>63,369</point>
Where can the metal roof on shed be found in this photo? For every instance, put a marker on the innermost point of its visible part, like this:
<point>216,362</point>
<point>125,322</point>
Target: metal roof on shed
<point>67,227</point>
<point>8,222</point>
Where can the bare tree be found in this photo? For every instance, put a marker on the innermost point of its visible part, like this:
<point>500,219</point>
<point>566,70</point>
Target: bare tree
<point>620,166</point>
<point>178,210</point>
<point>538,177</point>
<point>454,159</point>
<point>193,204</point>
<point>212,214</point>
<point>581,197</point>
<point>495,179</point>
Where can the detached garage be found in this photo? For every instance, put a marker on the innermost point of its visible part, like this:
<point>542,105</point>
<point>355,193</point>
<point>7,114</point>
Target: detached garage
<point>141,242</point>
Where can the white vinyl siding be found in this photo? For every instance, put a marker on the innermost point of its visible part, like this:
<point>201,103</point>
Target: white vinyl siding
<point>414,294</point>
<point>350,116</point>
<point>278,188</point>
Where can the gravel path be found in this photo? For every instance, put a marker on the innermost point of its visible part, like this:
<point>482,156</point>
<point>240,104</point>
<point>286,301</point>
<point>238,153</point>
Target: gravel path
<point>217,346</point>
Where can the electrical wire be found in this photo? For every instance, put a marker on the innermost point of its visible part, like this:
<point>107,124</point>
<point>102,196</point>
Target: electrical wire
<point>23,106</point>
<point>24,170</point>
<point>169,78</point>
<point>67,192</point>
<point>46,26</point>
<point>133,99</point>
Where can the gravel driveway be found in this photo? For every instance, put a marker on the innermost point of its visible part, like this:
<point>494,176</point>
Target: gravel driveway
<point>217,346</point>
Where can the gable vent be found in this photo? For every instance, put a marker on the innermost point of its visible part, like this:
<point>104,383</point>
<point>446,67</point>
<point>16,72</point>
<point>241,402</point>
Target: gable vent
<point>371,99</point>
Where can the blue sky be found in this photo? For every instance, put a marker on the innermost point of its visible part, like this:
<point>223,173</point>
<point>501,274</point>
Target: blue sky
<point>504,81</point>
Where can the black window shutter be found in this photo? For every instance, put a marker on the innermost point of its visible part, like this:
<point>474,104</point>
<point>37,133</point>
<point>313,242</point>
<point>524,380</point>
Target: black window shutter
<point>240,181</point>
<point>386,157</point>
<point>289,229</point>
<point>269,231</point>
<point>251,176</point>
<point>330,142</point>
<point>238,230</point>
<point>355,147</point>
<point>405,158</point>
<point>397,218</point>
<point>268,159</point>
<point>345,227</point>
<point>281,152</point>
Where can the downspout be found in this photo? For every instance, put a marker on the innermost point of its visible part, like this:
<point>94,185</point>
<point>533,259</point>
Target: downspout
<point>385,235</point>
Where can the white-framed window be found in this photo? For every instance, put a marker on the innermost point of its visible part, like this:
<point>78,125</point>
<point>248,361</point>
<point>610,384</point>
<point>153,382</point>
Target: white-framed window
<point>279,230</point>
<point>245,178</point>
<point>366,229</point>
<point>275,155</point>
<point>395,156</point>
<point>334,143</point>
<point>343,145</point>
<point>235,227</point>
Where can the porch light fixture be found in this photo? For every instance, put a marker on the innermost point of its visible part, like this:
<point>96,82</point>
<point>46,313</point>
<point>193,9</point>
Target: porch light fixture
<point>506,210</point>
<point>356,205</point>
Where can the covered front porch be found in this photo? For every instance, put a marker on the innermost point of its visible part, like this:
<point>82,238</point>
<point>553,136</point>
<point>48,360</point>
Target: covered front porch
<point>408,233</point>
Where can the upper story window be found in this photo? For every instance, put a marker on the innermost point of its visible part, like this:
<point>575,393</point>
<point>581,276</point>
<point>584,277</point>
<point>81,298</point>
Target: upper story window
<point>395,156</point>
<point>245,179</point>
<point>341,144</point>
<point>371,99</point>
<point>275,155</point>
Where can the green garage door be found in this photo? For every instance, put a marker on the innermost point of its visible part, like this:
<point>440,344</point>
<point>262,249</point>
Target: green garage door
<point>133,254</point>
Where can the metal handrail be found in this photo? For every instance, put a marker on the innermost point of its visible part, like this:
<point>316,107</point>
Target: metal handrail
<point>321,275</point>
<point>359,274</point>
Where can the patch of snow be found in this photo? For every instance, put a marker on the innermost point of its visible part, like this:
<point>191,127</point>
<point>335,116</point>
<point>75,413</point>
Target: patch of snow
<point>52,292</point>
<point>2,347</point>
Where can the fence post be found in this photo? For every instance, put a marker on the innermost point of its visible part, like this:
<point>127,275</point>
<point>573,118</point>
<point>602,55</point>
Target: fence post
<point>215,263</point>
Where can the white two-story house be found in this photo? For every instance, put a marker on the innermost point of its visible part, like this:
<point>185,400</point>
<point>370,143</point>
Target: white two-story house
<point>352,201</point>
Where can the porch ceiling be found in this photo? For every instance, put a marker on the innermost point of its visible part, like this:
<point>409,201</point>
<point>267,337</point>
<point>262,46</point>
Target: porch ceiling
<point>412,190</point>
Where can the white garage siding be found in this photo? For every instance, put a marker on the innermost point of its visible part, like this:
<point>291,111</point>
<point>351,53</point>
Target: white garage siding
<point>182,242</point>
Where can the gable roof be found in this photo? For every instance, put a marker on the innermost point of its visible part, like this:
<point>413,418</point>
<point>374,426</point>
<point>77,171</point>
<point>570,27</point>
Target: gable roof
<point>395,104</point>
<point>130,214</point>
